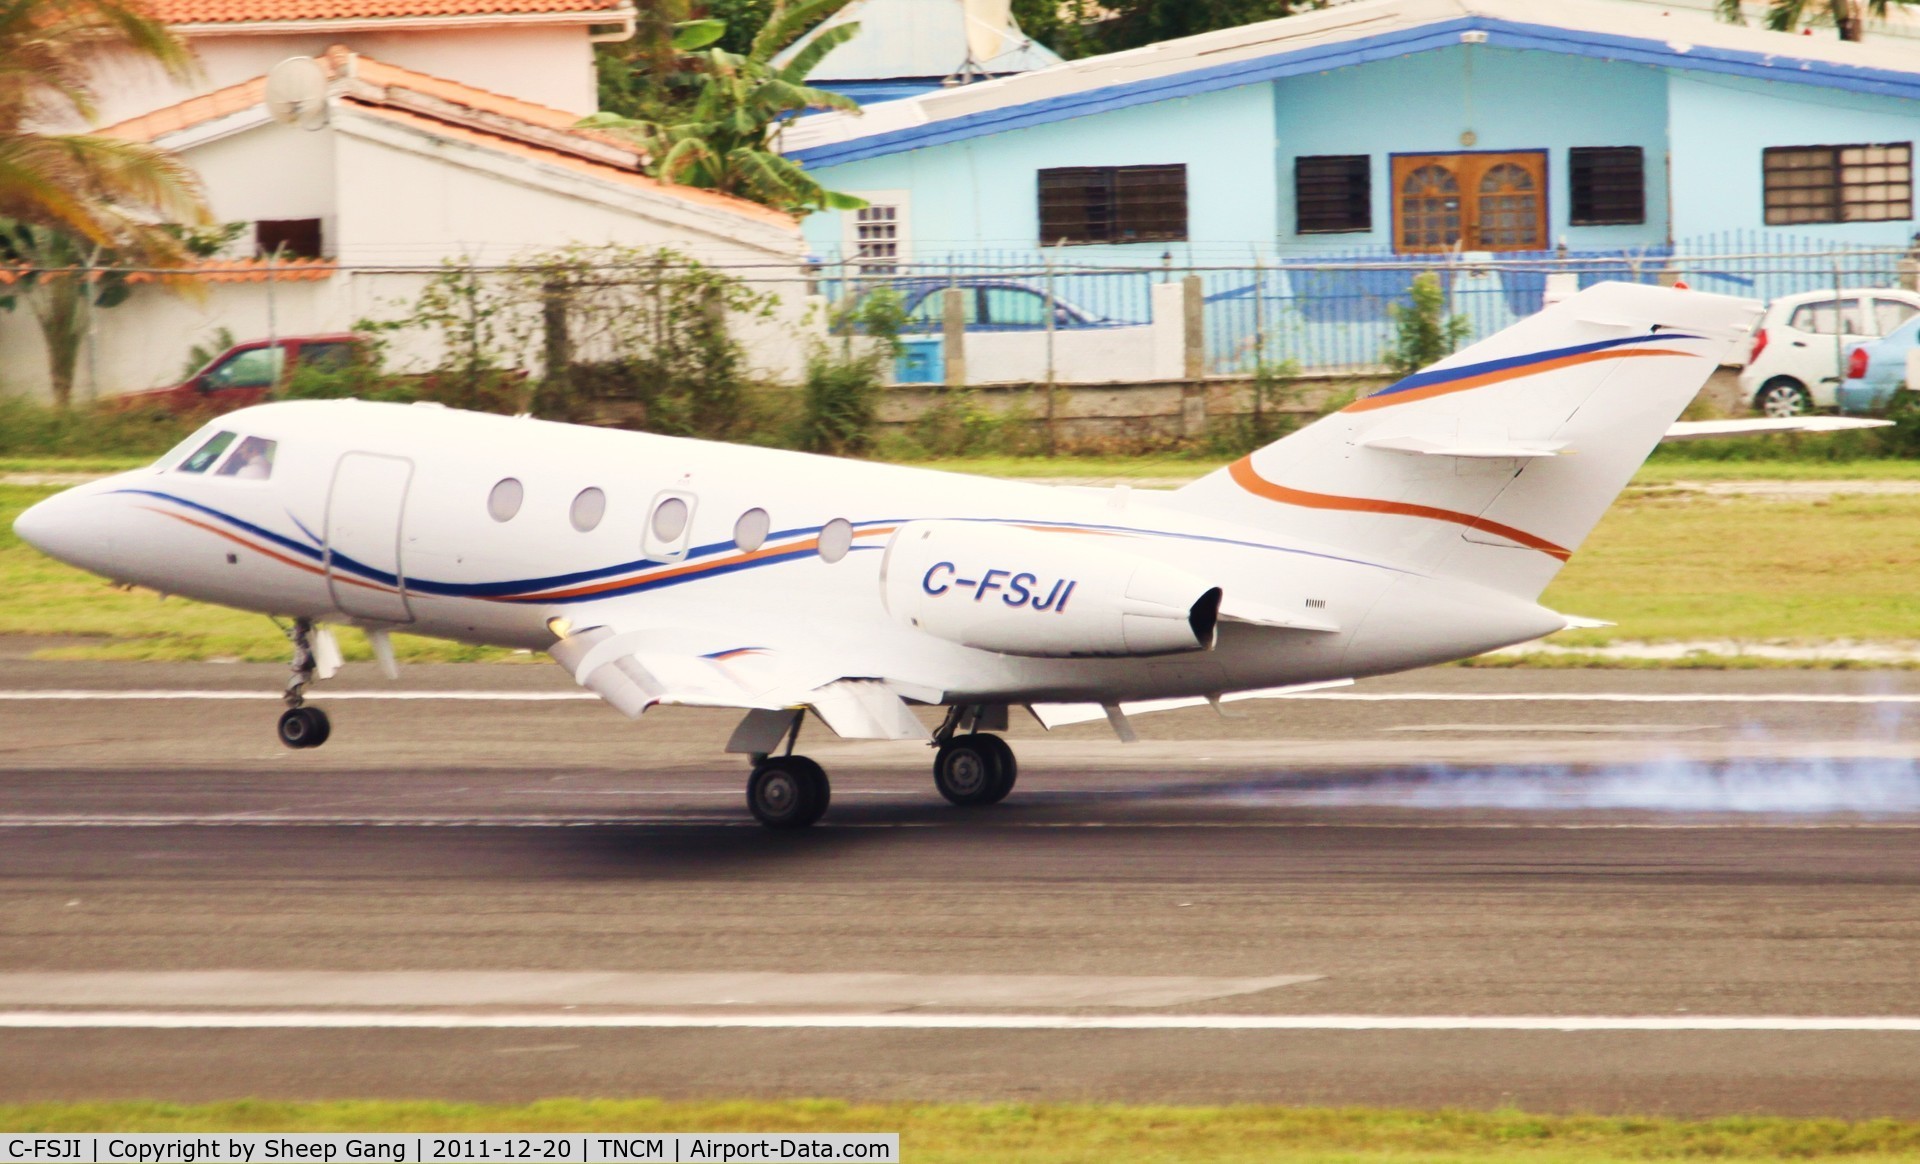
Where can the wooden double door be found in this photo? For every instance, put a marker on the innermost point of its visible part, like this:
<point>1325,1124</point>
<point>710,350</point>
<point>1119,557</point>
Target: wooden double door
<point>1472,201</point>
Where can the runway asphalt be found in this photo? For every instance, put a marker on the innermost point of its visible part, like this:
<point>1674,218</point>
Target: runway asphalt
<point>1394,894</point>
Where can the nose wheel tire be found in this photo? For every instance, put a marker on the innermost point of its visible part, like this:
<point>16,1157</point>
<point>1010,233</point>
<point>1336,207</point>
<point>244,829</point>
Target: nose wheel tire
<point>788,792</point>
<point>974,769</point>
<point>304,727</point>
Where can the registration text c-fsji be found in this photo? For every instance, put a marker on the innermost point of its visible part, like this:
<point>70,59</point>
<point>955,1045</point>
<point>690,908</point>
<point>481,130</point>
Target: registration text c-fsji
<point>448,1148</point>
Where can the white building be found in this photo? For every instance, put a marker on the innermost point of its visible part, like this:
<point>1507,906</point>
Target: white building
<point>405,170</point>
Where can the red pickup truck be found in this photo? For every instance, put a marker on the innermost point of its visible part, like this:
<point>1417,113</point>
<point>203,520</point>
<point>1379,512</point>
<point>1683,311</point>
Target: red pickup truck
<point>248,373</point>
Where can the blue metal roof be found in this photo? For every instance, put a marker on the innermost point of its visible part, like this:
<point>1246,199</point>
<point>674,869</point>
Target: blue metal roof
<point>1363,50</point>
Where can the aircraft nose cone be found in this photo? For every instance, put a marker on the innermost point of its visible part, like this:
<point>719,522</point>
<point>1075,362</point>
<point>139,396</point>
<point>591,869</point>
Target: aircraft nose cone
<point>38,527</point>
<point>73,527</point>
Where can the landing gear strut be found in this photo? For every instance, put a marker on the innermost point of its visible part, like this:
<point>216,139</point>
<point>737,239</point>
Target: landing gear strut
<point>788,791</point>
<point>302,726</point>
<point>974,768</point>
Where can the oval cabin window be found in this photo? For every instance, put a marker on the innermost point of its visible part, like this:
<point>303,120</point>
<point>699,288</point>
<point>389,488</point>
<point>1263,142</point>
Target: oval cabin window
<point>836,538</point>
<point>505,499</point>
<point>589,506</point>
<point>750,532</point>
<point>670,519</point>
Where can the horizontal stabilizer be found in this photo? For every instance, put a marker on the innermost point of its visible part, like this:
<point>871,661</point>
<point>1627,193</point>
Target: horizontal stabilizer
<point>1706,430</point>
<point>1054,715</point>
<point>1489,451</point>
<point>1575,622</point>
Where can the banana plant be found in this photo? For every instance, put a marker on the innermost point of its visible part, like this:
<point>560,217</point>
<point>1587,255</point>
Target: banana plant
<point>1848,16</point>
<point>727,140</point>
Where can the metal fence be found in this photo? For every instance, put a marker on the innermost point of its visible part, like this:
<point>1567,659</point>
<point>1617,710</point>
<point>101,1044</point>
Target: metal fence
<point>1334,312</point>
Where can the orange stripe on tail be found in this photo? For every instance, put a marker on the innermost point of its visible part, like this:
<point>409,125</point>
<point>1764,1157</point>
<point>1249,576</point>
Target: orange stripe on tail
<point>1244,475</point>
<point>1447,387</point>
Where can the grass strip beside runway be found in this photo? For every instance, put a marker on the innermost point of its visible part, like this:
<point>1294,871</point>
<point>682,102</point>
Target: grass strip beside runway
<point>933,1133</point>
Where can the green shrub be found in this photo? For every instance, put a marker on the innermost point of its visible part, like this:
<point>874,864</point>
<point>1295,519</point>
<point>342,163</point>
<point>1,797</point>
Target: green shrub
<point>1423,332</point>
<point>844,376</point>
<point>29,428</point>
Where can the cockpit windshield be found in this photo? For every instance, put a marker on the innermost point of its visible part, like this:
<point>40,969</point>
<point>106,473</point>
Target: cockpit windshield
<point>204,456</point>
<point>251,461</point>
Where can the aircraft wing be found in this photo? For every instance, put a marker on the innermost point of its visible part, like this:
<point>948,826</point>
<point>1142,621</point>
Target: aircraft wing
<point>637,670</point>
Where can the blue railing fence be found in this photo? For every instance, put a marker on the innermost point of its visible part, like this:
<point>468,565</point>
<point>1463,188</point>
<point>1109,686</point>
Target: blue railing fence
<point>1331,312</point>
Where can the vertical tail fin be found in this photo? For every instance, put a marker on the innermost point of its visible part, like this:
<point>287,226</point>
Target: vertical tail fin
<point>1495,463</point>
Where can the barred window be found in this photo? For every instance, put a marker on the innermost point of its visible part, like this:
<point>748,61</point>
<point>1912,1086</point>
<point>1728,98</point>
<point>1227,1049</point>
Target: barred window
<point>1332,194</point>
<point>1840,183</point>
<point>877,238</point>
<point>1113,204</point>
<point>1608,185</point>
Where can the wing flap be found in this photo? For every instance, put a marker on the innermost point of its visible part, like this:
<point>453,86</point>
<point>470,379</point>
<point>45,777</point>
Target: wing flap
<point>1053,715</point>
<point>638,670</point>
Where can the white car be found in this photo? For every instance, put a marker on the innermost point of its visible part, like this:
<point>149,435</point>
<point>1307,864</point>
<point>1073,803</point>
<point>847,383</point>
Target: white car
<point>1795,363</point>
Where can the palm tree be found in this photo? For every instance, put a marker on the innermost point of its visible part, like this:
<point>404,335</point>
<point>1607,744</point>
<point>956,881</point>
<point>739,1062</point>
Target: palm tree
<point>72,201</point>
<point>724,142</point>
<point>105,190</point>
<point>1849,16</point>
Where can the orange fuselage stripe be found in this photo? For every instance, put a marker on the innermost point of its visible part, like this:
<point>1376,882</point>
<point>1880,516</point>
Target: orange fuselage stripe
<point>282,558</point>
<point>1244,475</point>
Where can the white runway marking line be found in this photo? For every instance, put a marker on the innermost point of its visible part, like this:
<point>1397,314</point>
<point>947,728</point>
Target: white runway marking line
<point>56,696</point>
<point>255,820</point>
<point>442,991</point>
<point>922,1021</point>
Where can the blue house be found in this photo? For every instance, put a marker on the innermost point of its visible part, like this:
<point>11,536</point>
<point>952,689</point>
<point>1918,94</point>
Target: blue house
<point>1495,129</point>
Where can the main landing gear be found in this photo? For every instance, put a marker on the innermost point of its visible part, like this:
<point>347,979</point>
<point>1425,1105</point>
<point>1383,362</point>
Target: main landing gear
<point>302,726</point>
<point>974,769</point>
<point>971,769</point>
<point>788,791</point>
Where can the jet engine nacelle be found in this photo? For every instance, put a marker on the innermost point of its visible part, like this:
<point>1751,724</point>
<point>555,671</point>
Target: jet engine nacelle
<point>1024,592</point>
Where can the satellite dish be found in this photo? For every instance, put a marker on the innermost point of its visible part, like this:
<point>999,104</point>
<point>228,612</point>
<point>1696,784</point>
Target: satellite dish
<point>989,27</point>
<point>297,93</point>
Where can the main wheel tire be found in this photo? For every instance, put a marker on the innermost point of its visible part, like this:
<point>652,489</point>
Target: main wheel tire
<point>967,771</point>
<point>1782,397</point>
<point>787,793</point>
<point>1006,766</point>
<point>304,727</point>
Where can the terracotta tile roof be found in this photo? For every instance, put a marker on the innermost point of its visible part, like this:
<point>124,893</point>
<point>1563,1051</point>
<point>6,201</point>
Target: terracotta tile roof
<point>191,112</point>
<point>709,198</point>
<point>493,126</point>
<point>220,271</point>
<point>242,11</point>
<point>380,73</point>
<point>247,94</point>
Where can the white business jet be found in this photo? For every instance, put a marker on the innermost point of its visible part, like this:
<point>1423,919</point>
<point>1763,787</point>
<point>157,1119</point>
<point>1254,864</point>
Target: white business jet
<point>1415,526</point>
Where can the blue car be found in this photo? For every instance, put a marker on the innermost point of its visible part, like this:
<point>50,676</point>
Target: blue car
<point>991,305</point>
<point>1876,369</point>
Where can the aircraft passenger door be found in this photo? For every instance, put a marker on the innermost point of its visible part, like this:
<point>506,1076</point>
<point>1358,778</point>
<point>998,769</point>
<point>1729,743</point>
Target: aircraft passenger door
<point>365,511</point>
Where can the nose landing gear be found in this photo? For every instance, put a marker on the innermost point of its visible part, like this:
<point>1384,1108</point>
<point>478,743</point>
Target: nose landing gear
<point>302,726</point>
